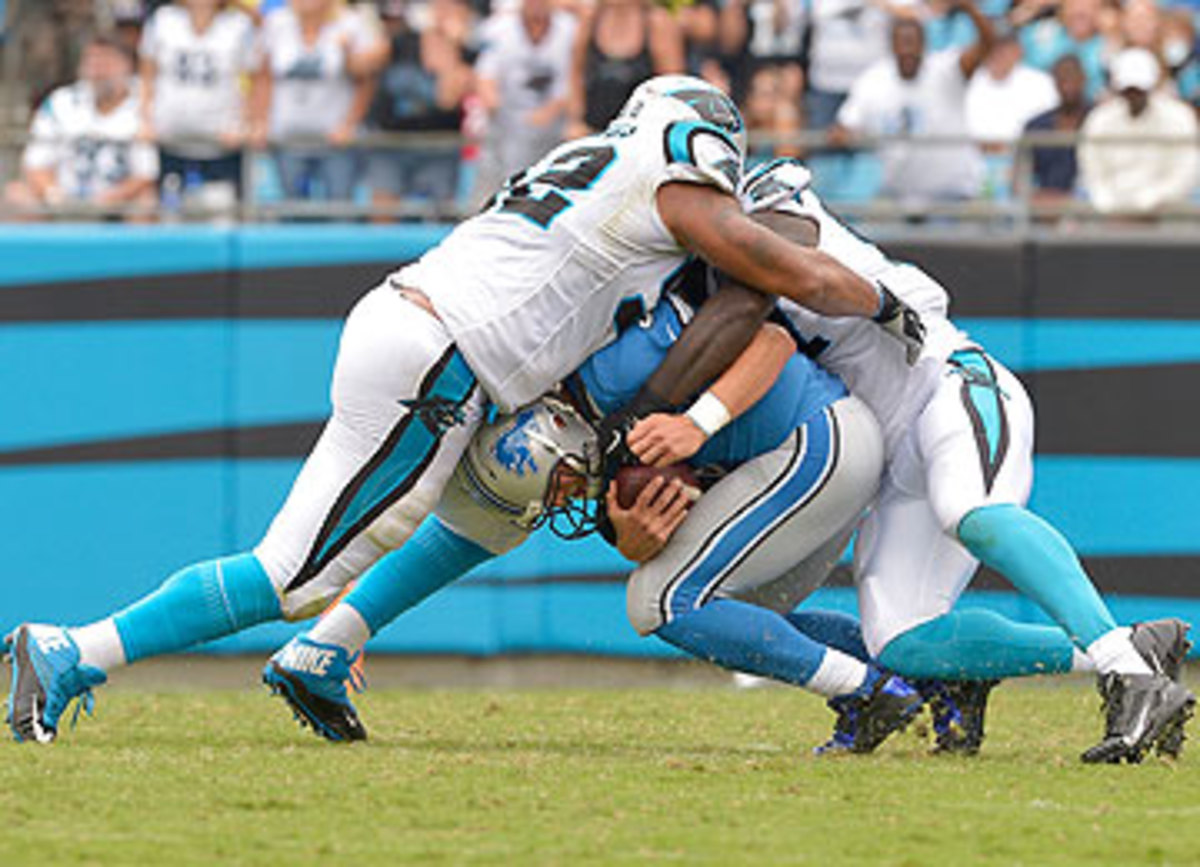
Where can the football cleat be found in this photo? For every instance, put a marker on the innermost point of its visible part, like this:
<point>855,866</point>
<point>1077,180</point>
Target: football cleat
<point>1140,710</point>
<point>865,719</point>
<point>958,709</point>
<point>1164,645</point>
<point>46,677</point>
<point>311,677</point>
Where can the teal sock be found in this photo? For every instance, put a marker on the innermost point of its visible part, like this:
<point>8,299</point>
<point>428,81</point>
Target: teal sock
<point>432,558</point>
<point>977,645</point>
<point>1041,564</point>
<point>199,603</point>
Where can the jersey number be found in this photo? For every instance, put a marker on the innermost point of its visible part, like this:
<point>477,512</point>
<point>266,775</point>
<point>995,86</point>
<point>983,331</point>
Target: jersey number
<point>577,169</point>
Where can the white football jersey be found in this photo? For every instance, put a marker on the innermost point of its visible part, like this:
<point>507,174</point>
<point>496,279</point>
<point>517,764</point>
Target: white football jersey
<point>90,152</point>
<point>870,361</point>
<point>531,286</point>
<point>198,88</point>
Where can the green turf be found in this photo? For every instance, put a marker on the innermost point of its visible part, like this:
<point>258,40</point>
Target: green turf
<point>647,776</point>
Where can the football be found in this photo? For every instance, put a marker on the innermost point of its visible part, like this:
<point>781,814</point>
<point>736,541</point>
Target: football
<point>632,479</point>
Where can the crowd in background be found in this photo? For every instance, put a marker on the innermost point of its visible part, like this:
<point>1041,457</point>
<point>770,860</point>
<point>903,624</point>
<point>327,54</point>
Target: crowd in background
<point>162,100</point>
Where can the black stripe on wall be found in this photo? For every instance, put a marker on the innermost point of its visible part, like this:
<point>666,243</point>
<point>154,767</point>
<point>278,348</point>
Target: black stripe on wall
<point>1147,411</point>
<point>1127,576</point>
<point>266,441</point>
<point>324,292</point>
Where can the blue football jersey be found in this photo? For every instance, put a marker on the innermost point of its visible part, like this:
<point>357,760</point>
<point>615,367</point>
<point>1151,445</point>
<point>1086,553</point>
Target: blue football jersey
<point>615,374</point>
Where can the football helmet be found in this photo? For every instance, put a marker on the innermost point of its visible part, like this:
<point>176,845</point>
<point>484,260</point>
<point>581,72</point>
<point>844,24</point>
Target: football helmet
<point>538,466</point>
<point>693,97</point>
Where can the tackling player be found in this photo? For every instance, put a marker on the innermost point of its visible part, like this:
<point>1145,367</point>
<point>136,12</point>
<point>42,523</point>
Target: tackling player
<point>720,580</point>
<point>958,429</point>
<point>507,305</point>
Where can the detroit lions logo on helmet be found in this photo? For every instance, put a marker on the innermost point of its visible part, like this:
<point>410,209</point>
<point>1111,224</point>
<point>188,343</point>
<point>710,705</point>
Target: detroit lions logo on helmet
<point>513,450</point>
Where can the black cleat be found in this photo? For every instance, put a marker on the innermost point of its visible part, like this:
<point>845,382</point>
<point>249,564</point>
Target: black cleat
<point>958,709</point>
<point>1164,645</point>
<point>1140,710</point>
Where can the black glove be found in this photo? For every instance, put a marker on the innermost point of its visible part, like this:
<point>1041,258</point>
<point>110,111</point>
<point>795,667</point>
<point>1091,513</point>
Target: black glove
<point>902,322</point>
<point>615,427</point>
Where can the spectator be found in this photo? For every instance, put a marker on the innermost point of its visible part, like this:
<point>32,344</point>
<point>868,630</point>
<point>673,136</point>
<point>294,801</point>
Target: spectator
<point>1005,94</point>
<point>1054,167</point>
<point>699,23</point>
<point>1143,175</point>
<point>1179,54</point>
<point>913,95</point>
<point>48,44</point>
<point>312,91</point>
<point>755,34</point>
<point>766,110</point>
<point>522,81</point>
<point>421,90</point>
<point>1050,29</point>
<point>847,37</point>
<point>194,56</point>
<point>83,143</point>
<point>618,45</point>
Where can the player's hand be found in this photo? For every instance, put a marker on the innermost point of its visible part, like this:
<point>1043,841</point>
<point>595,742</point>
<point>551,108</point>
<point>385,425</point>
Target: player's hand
<point>662,439</point>
<point>902,322</point>
<point>644,529</point>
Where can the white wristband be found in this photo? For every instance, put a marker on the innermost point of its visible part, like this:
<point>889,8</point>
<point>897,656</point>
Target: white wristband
<point>709,414</point>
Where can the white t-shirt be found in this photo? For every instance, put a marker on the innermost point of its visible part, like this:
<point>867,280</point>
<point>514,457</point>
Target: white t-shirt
<point>1139,176</point>
<point>997,110</point>
<point>931,104</point>
<point>198,90</point>
<point>848,36</point>
<point>528,74</point>
<point>530,287</point>
<point>90,152</point>
<point>311,90</point>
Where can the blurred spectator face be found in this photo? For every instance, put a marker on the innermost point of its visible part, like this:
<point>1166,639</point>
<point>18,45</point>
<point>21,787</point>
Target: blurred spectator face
<point>535,15</point>
<point>1004,57</point>
<point>908,44</point>
<point>1069,80</point>
<point>1141,24</point>
<point>762,97</point>
<point>312,8</point>
<point>1080,18</point>
<point>203,7</point>
<point>1178,38</point>
<point>107,69</point>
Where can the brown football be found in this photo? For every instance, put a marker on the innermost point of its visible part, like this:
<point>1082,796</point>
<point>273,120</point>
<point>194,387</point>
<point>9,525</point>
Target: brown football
<point>632,479</point>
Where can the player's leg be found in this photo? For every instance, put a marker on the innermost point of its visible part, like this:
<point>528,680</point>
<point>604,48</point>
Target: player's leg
<point>375,455</point>
<point>796,503</point>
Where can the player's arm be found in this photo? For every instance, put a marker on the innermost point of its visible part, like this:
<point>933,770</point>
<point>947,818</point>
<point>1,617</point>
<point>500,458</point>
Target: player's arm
<point>663,438</point>
<point>712,224</point>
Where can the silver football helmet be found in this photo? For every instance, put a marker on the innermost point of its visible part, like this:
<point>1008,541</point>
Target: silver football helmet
<point>538,466</point>
<point>691,97</point>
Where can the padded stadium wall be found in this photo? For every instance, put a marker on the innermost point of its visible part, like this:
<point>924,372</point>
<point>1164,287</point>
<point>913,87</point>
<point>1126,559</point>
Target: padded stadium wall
<point>162,384</point>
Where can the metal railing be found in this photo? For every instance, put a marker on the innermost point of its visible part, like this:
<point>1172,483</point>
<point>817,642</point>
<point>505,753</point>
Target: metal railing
<point>1018,212</point>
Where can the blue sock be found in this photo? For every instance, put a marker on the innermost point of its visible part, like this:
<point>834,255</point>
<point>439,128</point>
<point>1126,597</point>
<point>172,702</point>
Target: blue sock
<point>975,644</point>
<point>432,558</point>
<point>833,629</point>
<point>198,603</point>
<point>1041,564</point>
<point>746,638</point>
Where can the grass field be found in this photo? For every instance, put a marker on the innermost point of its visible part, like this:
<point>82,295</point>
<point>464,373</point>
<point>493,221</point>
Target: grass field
<point>699,776</point>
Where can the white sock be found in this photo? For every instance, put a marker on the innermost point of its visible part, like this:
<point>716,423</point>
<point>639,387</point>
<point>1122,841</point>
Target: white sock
<point>838,674</point>
<point>99,644</point>
<point>344,627</point>
<point>1114,652</point>
<point>1080,661</point>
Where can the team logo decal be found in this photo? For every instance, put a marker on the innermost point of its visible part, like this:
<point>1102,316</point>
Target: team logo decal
<point>512,449</point>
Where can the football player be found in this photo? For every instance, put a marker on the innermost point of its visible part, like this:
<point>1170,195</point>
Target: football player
<point>512,301</point>
<point>958,432</point>
<point>721,579</point>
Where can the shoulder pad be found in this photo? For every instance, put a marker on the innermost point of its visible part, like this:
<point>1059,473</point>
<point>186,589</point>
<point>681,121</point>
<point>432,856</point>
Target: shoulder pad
<point>772,183</point>
<point>703,153</point>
